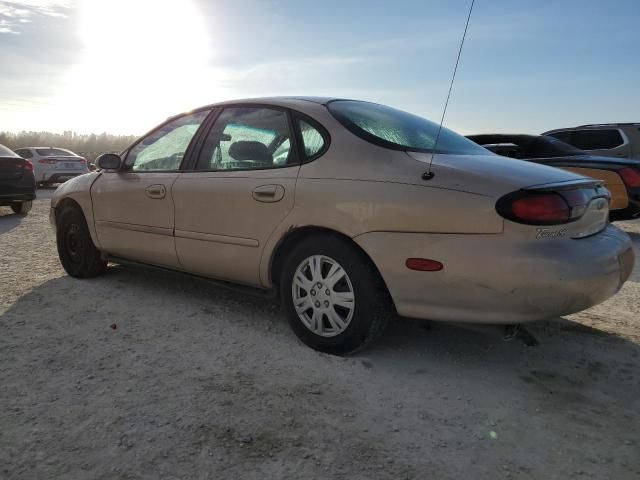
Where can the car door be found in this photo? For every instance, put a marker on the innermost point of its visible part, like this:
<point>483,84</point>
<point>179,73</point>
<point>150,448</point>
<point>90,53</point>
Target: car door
<point>239,189</point>
<point>133,207</point>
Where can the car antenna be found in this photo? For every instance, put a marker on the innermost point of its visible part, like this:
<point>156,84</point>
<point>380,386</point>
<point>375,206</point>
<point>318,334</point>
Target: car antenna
<point>428,175</point>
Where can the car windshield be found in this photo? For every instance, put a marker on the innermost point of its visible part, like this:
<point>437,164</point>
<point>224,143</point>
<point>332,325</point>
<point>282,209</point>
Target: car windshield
<point>543,147</point>
<point>53,152</point>
<point>398,130</point>
<point>5,152</point>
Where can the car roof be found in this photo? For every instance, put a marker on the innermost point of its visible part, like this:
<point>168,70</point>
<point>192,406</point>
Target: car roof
<point>294,102</point>
<point>594,126</point>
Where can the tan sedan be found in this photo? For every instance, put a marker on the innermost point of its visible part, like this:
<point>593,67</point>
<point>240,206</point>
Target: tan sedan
<point>345,208</point>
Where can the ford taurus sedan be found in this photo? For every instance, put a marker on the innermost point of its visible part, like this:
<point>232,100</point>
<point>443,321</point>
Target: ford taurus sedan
<point>352,212</point>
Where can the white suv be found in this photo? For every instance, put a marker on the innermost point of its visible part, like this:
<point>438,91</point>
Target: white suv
<point>607,139</point>
<point>53,165</point>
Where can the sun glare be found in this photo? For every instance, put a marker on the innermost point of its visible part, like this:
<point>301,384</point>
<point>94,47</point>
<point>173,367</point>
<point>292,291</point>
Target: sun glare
<point>142,60</point>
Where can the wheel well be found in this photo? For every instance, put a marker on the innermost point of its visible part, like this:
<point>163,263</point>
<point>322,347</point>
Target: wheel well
<point>295,236</point>
<point>67,204</point>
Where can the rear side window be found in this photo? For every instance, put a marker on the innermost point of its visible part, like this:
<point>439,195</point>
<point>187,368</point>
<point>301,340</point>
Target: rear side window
<point>596,139</point>
<point>52,152</point>
<point>25,153</point>
<point>390,128</point>
<point>312,140</point>
<point>247,138</point>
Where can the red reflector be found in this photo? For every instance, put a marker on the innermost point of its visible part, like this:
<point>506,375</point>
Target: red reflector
<point>541,208</point>
<point>423,265</point>
<point>630,176</point>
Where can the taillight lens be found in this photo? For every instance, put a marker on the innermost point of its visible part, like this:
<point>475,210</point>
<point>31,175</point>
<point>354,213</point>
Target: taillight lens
<point>549,207</point>
<point>27,165</point>
<point>630,176</point>
<point>47,162</point>
<point>541,209</point>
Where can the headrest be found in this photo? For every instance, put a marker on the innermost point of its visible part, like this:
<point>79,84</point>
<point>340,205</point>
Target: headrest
<point>247,150</point>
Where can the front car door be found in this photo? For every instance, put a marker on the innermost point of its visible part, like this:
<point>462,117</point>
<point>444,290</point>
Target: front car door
<point>238,191</point>
<point>133,208</point>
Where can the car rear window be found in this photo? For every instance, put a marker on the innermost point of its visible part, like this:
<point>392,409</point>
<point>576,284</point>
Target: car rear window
<point>5,152</point>
<point>398,130</point>
<point>52,152</point>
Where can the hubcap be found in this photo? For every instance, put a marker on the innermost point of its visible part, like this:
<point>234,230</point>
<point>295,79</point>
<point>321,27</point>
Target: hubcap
<point>323,296</point>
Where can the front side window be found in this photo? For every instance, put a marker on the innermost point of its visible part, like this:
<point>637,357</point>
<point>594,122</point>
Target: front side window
<point>164,148</point>
<point>398,130</point>
<point>245,138</point>
<point>597,139</point>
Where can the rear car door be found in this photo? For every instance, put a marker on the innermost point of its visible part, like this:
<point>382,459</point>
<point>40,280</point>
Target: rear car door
<point>133,207</point>
<point>240,187</point>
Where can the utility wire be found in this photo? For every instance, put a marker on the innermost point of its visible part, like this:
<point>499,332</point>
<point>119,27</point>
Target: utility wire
<point>428,175</point>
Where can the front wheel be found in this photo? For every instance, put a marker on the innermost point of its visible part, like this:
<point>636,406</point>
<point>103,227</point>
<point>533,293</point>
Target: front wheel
<point>78,255</point>
<point>21,208</point>
<point>333,296</point>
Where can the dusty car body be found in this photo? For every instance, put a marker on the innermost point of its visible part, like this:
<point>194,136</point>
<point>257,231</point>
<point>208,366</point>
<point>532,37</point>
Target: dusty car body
<point>348,223</point>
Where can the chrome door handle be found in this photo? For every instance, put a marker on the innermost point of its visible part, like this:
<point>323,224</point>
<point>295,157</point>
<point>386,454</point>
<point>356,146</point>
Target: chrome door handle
<point>268,193</point>
<point>155,191</point>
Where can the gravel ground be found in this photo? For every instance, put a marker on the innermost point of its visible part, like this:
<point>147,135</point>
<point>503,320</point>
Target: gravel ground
<point>200,382</point>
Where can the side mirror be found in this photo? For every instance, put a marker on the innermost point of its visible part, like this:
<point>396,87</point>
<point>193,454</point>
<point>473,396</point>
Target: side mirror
<point>109,161</point>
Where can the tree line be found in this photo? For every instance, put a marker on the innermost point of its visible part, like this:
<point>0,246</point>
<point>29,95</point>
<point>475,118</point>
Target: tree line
<point>89,146</point>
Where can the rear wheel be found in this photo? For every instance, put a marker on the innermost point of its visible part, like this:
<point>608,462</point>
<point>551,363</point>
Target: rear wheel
<point>78,255</point>
<point>333,296</point>
<point>22,208</point>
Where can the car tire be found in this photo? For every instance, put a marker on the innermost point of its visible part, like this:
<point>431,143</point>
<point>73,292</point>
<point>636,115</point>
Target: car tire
<point>78,255</point>
<point>22,208</point>
<point>353,324</point>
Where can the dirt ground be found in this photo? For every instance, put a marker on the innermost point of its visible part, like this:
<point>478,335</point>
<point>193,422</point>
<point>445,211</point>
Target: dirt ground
<point>197,382</point>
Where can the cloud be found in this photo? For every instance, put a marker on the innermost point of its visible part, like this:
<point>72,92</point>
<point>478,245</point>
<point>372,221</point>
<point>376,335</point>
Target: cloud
<point>14,14</point>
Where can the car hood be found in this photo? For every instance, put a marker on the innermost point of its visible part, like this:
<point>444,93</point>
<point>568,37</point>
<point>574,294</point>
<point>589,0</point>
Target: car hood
<point>491,175</point>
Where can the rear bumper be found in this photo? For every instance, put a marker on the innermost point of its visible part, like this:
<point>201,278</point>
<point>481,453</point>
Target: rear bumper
<point>496,279</point>
<point>18,192</point>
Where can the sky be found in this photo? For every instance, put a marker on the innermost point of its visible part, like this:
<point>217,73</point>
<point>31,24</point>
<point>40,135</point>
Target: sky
<point>123,66</point>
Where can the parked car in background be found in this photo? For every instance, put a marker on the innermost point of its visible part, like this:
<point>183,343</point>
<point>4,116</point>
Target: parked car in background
<point>17,183</point>
<point>346,209</point>
<point>621,176</point>
<point>53,165</point>
<point>608,139</point>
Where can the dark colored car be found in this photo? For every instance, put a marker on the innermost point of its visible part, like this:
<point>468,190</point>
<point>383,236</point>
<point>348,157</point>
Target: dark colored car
<point>621,175</point>
<point>17,183</point>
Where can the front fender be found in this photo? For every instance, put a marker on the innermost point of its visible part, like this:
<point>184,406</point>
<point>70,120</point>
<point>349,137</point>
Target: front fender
<point>78,189</point>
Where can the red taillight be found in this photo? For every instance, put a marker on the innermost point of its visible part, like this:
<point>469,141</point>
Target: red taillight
<point>541,209</point>
<point>630,176</point>
<point>27,165</point>
<point>423,265</point>
<point>550,207</point>
<point>47,161</point>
